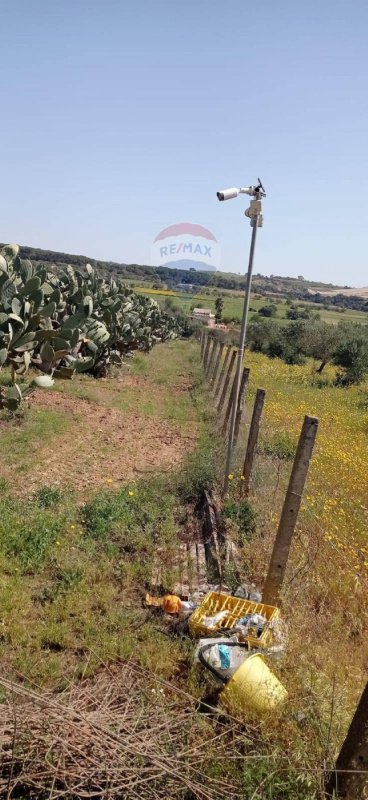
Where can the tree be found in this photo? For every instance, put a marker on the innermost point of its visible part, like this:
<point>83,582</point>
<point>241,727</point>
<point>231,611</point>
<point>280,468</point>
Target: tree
<point>268,311</point>
<point>260,334</point>
<point>352,353</point>
<point>219,305</point>
<point>320,341</point>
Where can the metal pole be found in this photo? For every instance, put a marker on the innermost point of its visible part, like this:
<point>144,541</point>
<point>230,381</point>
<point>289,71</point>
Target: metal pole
<point>243,331</point>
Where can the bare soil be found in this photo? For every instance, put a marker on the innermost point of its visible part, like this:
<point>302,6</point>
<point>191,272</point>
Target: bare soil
<point>104,444</point>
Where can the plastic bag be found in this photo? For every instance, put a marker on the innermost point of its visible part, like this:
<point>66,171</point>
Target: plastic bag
<point>214,621</point>
<point>224,658</point>
<point>251,625</point>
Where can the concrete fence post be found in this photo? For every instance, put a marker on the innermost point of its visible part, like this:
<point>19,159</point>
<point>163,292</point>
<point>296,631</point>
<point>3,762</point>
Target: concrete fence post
<point>239,410</point>
<point>206,352</point>
<point>211,359</point>
<point>349,779</point>
<point>253,439</point>
<point>218,384</point>
<point>203,340</point>
<point>217,363</point>
<point>290,511</point>
<point>226,381</point>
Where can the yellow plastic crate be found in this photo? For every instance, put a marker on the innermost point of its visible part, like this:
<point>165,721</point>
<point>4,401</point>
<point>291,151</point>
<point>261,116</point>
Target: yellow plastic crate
<point>238,608</point>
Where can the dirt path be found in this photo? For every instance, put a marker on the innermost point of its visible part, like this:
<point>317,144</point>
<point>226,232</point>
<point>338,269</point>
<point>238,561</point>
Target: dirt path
<point>80,438</point>
<point>108,445</point>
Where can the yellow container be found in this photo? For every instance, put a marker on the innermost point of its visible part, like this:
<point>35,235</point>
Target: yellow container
<point>252,687</point>
<point>237,608</point>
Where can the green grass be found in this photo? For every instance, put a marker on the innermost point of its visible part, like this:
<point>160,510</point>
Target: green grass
<point>72,576</point>
<point>233,305</point>
<point>25,435</point>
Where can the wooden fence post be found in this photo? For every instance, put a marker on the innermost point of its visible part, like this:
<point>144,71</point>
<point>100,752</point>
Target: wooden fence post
<point>217,363</point>
<point>253,439</point>
<point>206,351</point>
<point>218,385</point>
<point>350,776</point>
<point>239,410</point>
<point>226,381</point>
<point>203,339</point>
<point>243,381</point>
<point>289,515</point>
<point>212,359</point>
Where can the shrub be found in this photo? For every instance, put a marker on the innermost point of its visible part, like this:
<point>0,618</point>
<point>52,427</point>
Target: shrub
<point>268,311</point>
<point>281,446</point>
<point>47,497</point>
<point>199,471</point>
<point>67,322</point>
<point>241,512</point>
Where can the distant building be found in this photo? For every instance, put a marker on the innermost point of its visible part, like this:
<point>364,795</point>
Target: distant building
<point>188,287</point>
<point>204,315</point>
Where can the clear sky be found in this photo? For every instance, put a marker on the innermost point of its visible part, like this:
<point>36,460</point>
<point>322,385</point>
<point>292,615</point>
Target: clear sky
<point>120,118</point>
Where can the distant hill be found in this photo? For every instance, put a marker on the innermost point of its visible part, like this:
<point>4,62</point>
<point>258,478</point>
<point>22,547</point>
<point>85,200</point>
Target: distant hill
<point>273,286</point>
<point>348,292</point>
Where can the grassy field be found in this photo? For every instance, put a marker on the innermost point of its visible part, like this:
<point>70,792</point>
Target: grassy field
<point>100,475</point>
<point>233,304</point>
<point>72,575</point>
<point>325,597</point>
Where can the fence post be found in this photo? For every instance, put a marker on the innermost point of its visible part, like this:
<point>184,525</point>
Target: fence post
<point>209,355</point>
<point>226,381</point>
<point>217,386</point>
<point>217,363</point>
<point>289,515</point>
<point>206,350</point>
<point>212,359</point>
<point>239,410</point>
<point>253,439</point>
<point>350,776</point>
<point>203,339</point>
<point>243,380</point>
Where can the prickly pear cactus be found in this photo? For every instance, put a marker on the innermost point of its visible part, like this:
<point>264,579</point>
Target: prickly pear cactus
<point>68,322</point>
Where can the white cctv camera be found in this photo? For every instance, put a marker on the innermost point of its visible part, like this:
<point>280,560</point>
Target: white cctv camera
<point>229,194</point>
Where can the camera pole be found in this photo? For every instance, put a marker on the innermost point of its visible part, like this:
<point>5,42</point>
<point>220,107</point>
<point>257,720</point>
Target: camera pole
<point>256,220</point>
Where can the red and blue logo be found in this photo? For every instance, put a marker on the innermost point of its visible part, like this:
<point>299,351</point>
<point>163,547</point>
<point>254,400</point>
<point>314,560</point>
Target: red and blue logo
<point>186,245</point>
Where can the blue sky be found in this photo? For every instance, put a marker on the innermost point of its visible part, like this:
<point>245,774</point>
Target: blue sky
<point>121,118</point>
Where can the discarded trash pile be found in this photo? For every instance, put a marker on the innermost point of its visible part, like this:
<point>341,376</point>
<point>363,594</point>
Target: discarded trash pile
<point>239,634</point>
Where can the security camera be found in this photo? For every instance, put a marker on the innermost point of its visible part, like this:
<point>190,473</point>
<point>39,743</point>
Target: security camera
<point>227,194</point>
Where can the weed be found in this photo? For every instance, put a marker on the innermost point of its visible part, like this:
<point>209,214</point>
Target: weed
<point>281,445</point>
<point>28,538</point>
<point>265,779</point>
<point>47,497</point>
<point>132,521</point>
<point>363,399</point>
<point>200,470</point>
<point>242,513</point>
